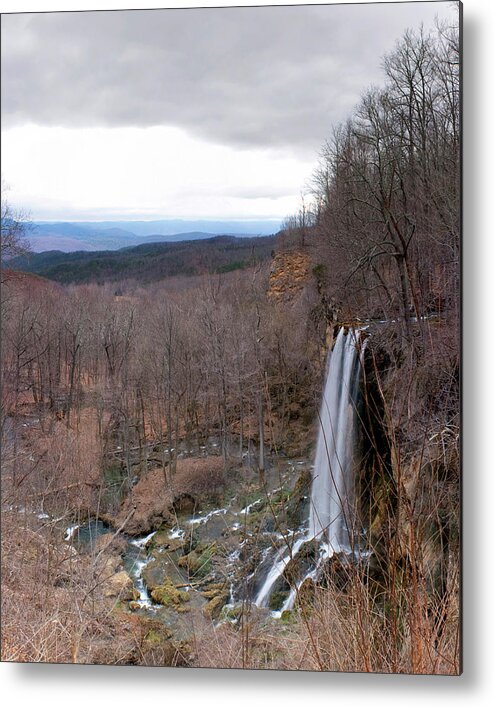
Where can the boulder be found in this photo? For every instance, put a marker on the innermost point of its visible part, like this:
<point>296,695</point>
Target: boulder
<point>215,605</point>
<point>199,562</point>
<point>163,542</point>
<point>120,586</point>
<point>168,595</point>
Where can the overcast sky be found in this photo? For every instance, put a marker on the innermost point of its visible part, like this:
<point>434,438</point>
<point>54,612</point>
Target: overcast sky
<point>184,113</point>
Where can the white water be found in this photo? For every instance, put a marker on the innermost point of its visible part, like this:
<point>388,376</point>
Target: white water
<point>332,494</point>
<point>137,569</point>
<point>332,510</point>
<point>204,519</point>
<point>247,509</point>
<point>281,561</point>
<point>176,533</point>
<point>142,542</point>
<point>144,598</point>
<point>69,533</point>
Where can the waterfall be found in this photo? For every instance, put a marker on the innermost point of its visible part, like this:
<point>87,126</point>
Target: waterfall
<point>332,512</point>
<point>332,495</point>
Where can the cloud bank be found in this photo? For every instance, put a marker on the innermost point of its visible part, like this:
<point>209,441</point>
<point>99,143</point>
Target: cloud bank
<point>269,77</point>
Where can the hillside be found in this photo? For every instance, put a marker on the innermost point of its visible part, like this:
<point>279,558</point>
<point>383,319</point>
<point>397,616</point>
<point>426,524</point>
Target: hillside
<point>27,282</point>
<point>149,262</point>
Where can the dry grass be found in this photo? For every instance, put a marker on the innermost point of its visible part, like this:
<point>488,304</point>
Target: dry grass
<point>54,608</point>
<point>339,631</point>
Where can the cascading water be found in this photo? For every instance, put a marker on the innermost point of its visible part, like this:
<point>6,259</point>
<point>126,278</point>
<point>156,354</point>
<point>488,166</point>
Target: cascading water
<point>332,512</point>
<point>332,495</point>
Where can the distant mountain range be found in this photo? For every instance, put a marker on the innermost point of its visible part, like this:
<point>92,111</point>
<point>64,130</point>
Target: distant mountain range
<point>112,235</point>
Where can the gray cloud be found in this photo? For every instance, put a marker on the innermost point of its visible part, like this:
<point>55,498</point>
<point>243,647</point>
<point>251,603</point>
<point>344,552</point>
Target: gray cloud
<point>251,77</point>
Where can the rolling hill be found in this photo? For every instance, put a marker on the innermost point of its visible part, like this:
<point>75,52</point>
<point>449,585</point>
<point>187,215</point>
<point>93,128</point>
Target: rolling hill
<point>148,262</point>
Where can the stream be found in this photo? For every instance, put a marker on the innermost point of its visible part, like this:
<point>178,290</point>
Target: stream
<point>213,560</point>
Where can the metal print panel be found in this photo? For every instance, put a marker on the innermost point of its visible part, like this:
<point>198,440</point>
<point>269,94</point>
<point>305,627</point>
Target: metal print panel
<point>230,264</point>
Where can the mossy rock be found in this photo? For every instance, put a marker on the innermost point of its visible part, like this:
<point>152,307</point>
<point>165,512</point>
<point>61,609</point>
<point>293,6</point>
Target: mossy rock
<point>158,637</point>
<point>154,637</point>
<point>281,496</point>
<point>213,590</point>
<point>277,599</point>
<point>306,593</point>
<point>213,608</point>
<point>231,613</point>
<point>136,595</point>
<point>168,595</point>
<point>288,616</point>
<point>199,563</point>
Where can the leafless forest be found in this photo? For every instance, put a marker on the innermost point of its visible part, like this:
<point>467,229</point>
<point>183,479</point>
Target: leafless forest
<point>128,412</point>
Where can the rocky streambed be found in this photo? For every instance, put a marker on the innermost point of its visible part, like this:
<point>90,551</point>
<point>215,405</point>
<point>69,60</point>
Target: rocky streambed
<point>203,564</point>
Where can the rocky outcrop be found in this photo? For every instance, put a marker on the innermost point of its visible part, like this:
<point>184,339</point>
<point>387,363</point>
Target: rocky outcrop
<point>290,272</point>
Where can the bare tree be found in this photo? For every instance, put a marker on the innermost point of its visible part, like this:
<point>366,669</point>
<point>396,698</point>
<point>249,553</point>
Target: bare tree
<point>14,229</point>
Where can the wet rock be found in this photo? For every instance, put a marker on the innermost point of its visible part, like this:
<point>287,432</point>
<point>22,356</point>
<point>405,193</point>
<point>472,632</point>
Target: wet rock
<point>297,506</point>
<point>306,594</point>
<point>120,586</point>
<point>268,524</point>
<point>337,571</point>
<point>168,595</point>
<point>162,541</point>
<point>110,543</point>
<point>303,561</point>
<point>199,562</point>
<point>277,599</point>
<point>149,575</point>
